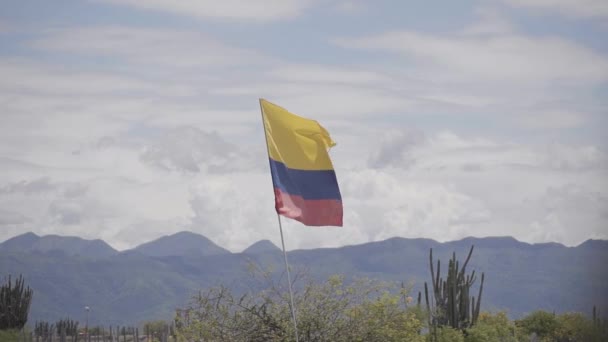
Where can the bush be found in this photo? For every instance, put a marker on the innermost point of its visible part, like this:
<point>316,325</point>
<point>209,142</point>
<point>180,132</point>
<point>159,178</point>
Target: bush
<point>329,311</point>
<point>492,328</point>
<point>446,334</point>
<point>541,323</point>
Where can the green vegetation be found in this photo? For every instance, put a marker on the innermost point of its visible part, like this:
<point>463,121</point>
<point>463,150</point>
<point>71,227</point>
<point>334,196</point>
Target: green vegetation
<point>369,310</point>
<point>15,301</point>
<point>9,335</point>
<point>493,327</point>
<point>572,326</point>
<point>330,311</point>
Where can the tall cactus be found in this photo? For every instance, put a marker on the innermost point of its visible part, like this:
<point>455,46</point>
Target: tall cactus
<point>69,326</point>
<point>451,304</point>
<point>15,304</point>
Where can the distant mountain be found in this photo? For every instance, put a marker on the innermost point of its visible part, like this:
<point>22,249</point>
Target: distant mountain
<point>262,246</point>
<point>595,244</point>
<point>70,245</point>
<point>152,280</point>
<point>180,244</point>
<point>20,242</point>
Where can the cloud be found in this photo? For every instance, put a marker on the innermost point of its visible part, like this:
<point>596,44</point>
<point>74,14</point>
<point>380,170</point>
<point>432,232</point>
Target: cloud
<point>188,148</point>
<point>452,187</point>
<point>571,8</point>
<point>129,133</point>
<point>393,205</point>
<point>39,79</point>
<point>553,119</point>
<point>252,11</point>
<point>498,58</point>
<point>11,218</point>
<point>490,22</point>
<point>147,46</point>
<point>527,190</point>
<point>234,210</point>
<point>438,185</point>
<point>322,99</point>
<point>66,212</point>
<point>43,187</point>
<point>304,73</point>
<point>446,151</point>
<point>351,7</point>
<point>397,148</point>
<point>32,187</point>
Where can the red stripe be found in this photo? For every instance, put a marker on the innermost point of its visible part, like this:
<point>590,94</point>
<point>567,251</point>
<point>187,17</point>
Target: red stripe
<point>326,212</point>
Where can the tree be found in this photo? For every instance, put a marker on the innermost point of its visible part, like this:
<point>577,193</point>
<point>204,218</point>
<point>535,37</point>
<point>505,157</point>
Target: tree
<point>15,301</point>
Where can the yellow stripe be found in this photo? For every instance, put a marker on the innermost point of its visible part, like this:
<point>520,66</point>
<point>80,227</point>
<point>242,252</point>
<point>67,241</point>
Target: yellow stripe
<point>297,142</point>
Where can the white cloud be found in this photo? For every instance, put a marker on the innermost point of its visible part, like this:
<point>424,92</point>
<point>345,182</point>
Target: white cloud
<point>236,210</point>
<point>41,185</point>
<point>329,75</point>
<point>497,187</point>
<point>186,149</point>
<point>491,22</point>
<point>125,149</point>
<point>255,11</point>
<point>397,148</point>
<point>322,99</point>
<point>442,186</point>
<point>511,58</point>
<point>11,219</point>
<point>571,8</point>
<point>552,119</point>
<point>147,46</point>
<point>33,78</point>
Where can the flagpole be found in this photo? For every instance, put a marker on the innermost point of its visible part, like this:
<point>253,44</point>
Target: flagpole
<point>292,305</point>
<point>293,308</point>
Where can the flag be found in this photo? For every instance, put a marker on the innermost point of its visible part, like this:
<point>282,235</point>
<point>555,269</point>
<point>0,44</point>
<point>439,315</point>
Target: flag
<point>304,180</point>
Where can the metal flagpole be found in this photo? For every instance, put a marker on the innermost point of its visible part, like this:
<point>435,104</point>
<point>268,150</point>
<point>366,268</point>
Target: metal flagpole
<point>291,305</point>
<point>293,308</point>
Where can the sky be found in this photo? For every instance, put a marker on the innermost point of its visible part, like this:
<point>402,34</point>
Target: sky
<point>127,120</point>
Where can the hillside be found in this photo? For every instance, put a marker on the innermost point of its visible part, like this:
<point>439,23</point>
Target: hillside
<point>70,245</point>
<point>131,287</point>
<point>180,244</point>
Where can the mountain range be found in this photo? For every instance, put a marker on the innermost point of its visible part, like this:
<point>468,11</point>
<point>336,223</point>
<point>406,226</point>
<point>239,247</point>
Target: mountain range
<point>153,279</point>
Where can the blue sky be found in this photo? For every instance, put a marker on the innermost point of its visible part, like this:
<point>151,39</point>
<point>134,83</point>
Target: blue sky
<point>128,120</point>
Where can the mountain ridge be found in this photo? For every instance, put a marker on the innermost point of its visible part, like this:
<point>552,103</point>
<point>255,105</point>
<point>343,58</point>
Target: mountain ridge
<point>180,244</point>
<point>70,245</point>
<point>594,243</point>
<point>129,286</point>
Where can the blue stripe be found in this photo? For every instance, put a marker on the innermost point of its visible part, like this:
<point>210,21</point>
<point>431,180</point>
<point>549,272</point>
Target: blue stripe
<point>310,184</point>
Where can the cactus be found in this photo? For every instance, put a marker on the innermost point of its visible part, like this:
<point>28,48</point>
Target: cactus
<point>451,304</point>
<point>44,330</point>
<point>15,304</point>
<point>70,327</point>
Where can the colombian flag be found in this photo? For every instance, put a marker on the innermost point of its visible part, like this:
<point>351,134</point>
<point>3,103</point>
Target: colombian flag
<point>305,184</point>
